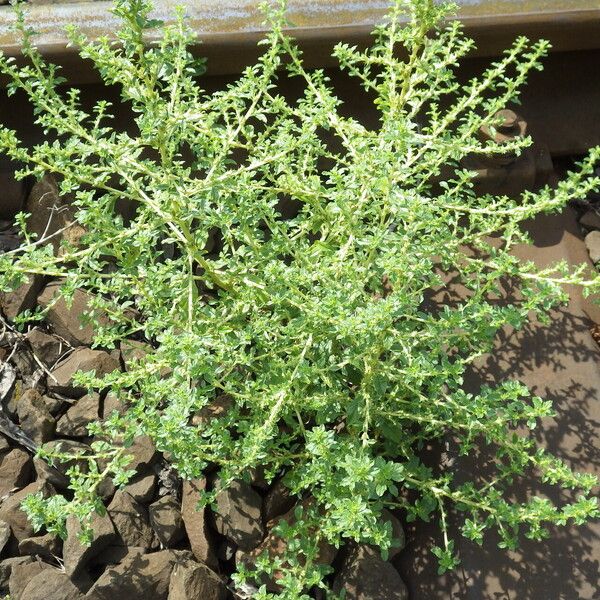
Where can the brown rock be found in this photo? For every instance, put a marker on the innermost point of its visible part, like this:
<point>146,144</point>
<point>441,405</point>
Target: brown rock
<point>82,359</point>
<point>66,321</point>
<point>34,417</point>
<point>77,555</point>
<point>46,347</point>
<point>46,546</point>
<point>29,370</point>
<point>83,412</point>
<point>278,501</point>
<point>275,546</point>
<point>50,213</point>
<point>226,550</point>
<point>143,453</point>
<point>590,220</point>
<point>51,475</point>
<point>56,475</point>
<point>53,405</point>
<point>142,488</point>
<point>144,576</point>
<point>109,405</point>
<point>214,410</point>
<point>115,554</point>
<point>106,489</point>
<point>592,242</point>
<point>132,350</point>
<point>366,576</point>
<point>194,520</point>
<point>130,521</point>
<point>258,479</point>
<point>398,537</point>
<point>165,518</point>
<point>193,580</point>
<point>14,192</point>
<point>238,515</point>
<point>23,298</point>
<point>52,584</point>
<point>4,534</point>
<point>6,567</point>
<point>15,470</point>
<point>21,574</point>
<point>8,382</point>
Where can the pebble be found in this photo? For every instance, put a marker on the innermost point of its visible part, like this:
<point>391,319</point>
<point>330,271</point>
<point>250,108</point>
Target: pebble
<point>592,242</point>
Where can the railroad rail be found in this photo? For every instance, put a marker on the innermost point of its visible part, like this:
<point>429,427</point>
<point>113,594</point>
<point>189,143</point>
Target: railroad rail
<point>561,105</point>
<point>236,24</point>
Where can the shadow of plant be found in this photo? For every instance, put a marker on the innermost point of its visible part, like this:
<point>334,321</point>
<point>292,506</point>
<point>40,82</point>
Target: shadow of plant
<point>559,362</point>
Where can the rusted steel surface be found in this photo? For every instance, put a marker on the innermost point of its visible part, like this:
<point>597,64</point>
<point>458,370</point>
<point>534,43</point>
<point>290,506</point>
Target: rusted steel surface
<point>562,104</point>
<point>569,24</point>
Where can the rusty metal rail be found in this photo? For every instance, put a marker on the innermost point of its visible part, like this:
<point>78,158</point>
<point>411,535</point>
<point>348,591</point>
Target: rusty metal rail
<point>561,105</point>
<point>229,29</point>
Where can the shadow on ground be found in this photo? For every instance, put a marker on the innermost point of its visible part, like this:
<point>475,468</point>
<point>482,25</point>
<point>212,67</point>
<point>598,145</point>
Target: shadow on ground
<point>560,362</point>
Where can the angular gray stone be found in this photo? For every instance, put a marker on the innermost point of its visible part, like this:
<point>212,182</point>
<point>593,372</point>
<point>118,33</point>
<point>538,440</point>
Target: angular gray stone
<point>82,359</point>
<point>195,522</point>
<point>144,576</point>
<point>23,298</point>
<point>165,518</point>
<point>51,584</point>
<point>192,580</point>
<point>83,412</point>
<point>130,520</point>
<point>366,576</point>
<point>238,515</point>
<point>15,470</point>
<point>77,555</point>
<point>21,574</point>
<point>34,417</point>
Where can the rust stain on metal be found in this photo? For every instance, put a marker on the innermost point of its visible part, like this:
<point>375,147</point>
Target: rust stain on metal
<point>223,17</point>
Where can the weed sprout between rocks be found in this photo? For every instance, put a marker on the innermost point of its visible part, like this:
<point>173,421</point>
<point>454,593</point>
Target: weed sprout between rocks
<point>314,326</point>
